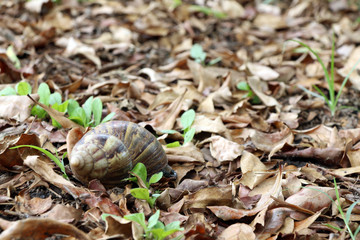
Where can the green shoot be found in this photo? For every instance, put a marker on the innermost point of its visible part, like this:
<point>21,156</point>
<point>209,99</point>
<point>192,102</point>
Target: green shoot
<point>187,119</point>
<point>140,178</point>
<point>207,11</point>
<point>154,229</point>
<point>59,163</point>
<point>10,53</point>
<point>329,77</point>
<point>198,54</point>
<point>345,217</point>
<point>244,86</point>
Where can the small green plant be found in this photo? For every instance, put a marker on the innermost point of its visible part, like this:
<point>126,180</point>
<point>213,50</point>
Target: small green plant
<point>198,54</point>
<point>345,217</point>
<point>140,178</point>
<point>88,115</point>
<point>59,163</point>
<point>10,53</point>
<point>155,229</point>
<point>244,86</point>
<point>22,88</point>
<point>329,77</point>
<point>187,119</point>
<point>207,11</point>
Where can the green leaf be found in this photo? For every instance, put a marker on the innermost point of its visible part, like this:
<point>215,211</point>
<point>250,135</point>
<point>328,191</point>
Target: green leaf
<point>152,200</point>
<point>208,11</point>
<point>169,131</point>
<point>8,91</point>
<point>187,118</point>
<point>140,170</point>
<point>138,218</point>
<point>87,106</point>
<point>173,144</point>
<point>243,86</point>
<point>214,61</point>
<point>39,112</point>
<point>23,88</point>
<point>108,117</point>
<point>97,108</point>
<point>79,116</point>
<point>155,178</point>
<point>189,135</point>
<point>153,219</point>
<point>10,53</point>
<point>44,93</point>
<point>55,98</point>
<point>72,106</point>
<point>140,193</point>
<point>197,53</point>
<point>349,211</point>
<point>48,154</point>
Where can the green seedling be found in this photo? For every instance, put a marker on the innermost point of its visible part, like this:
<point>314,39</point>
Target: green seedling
<point>89,114</point>
<point>345,216</point>
<point>155,229</point>
<point>59,163</point>
<point>187,119</point>
<point>207,11</point>
<point>198,54</point>
<point>139,173</point>
<point>244,86</point>
<point>10,53</point>
<point>333,99</point>
<point>22,88</point>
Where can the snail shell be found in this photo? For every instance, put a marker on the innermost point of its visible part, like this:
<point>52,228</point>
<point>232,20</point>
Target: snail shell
<point>109,151</point>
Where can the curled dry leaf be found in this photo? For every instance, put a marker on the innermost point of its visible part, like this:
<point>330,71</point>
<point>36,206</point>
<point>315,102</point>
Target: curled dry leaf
<point>41,228</point>
<point>16,108</point>
<point>217,146</point>
<point>238,231</point>
<point>228,213</point>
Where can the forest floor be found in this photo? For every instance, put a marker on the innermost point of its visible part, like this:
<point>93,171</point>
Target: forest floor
<point>259,152</point>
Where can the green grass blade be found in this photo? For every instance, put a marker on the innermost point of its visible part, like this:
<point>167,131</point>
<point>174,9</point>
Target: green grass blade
<point>48,154</point>
<point>348,212</point>
<point>317,57</point>
<point>310,92</point>
<point>323,95</point>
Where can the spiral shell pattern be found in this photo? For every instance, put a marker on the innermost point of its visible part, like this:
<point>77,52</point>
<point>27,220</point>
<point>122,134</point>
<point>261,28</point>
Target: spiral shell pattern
<point>109,151</point>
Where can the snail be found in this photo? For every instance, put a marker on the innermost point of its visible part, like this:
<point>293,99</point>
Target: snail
<point>109,151</point>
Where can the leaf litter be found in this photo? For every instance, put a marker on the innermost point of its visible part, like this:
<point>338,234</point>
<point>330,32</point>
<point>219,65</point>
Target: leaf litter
<point>255,169</point>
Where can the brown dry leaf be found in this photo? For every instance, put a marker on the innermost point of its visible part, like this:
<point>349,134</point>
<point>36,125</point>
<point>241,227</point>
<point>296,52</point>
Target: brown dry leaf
<point>217,146</point>
<point>313,198</point>
<point>12,157</point>
<point>16,108</point>
<point>238,231</point>
<point>118,226</point>
<point>263,72</point>
<point>272,142</point>
<point>32,206</point>
<point>208,197</point>
<point>58,116</point>
<point>64,213</point>
<point>185,153</point>
<point>203,123</point>
<point>254,171</point>
<point>258,87</point>
<point>228,213</point>
<point>74,47</point>
<point>40,228</point>
<point>350,63</point>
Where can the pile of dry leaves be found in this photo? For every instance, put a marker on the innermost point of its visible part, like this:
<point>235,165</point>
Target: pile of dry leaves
<point>266,162</point>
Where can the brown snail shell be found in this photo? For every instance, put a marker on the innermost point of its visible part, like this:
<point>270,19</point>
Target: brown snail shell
<point>109,151</point>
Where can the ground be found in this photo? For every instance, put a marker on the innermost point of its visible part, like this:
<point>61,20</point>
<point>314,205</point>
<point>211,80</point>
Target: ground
<point>230,90</point>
